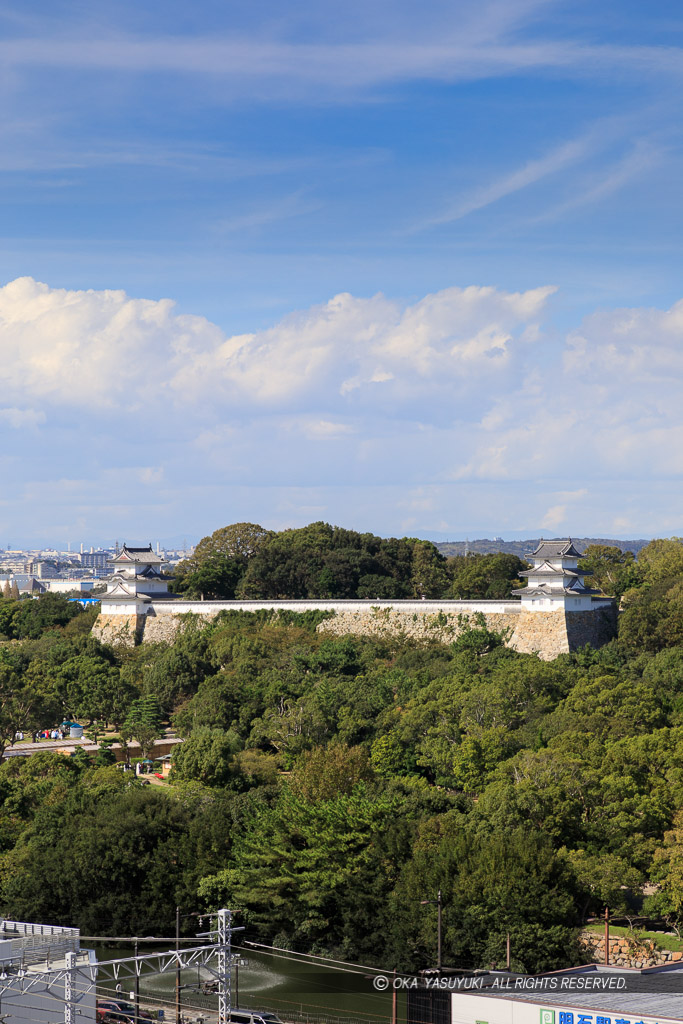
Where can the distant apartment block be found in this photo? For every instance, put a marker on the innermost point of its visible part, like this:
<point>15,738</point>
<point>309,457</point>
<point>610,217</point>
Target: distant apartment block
<point>96,562</point>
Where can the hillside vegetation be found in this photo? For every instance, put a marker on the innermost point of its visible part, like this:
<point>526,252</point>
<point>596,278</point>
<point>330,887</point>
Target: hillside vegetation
<point>327,786</point>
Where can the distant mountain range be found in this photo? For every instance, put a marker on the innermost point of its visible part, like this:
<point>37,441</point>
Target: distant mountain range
<point>522,548</point>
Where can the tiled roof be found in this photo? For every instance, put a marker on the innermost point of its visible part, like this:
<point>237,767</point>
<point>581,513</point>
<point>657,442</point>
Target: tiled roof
<point>143,555</point>
<point>556,549</point>
<point>545,569</point>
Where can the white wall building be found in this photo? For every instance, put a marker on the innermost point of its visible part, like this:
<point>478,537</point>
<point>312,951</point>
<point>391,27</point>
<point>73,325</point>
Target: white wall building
<point>573,1002</point>
<point>555,581</point>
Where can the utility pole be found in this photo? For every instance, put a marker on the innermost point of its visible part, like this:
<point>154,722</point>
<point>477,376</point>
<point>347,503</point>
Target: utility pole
<point>438,950</point>
<point>507,953</point>
<point>69,1015</point>
<point>439,928</point>
<point>177,970</point>
<point>224,966</point>
<point>607,936</point>
<point>137,985</point>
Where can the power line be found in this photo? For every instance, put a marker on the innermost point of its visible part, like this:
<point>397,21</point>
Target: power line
<point>80,979</point>
<point>291,953</point>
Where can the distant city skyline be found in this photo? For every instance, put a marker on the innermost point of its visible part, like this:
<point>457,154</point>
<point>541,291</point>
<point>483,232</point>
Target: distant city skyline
<point>409,269</point>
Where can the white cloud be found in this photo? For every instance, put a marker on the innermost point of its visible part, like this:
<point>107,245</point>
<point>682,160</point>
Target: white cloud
<point>368,411</point>
<point>534,170</point>
<point>351,346</point>
<point>107,350</point>
<point>554,517</point>
<point>22,418</point>
<point>473,49</point>
<point>88,348</point>
<point>324,430</point>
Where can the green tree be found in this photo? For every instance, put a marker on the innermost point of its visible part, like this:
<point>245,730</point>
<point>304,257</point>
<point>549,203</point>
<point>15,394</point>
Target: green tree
<point>320,560</point>
<point>143,723</point>
<point>610,569</point>
<point>428,577</point>
<point>608,880</point>
<point>111,856</point>
<point>25,705</point>
<point>220,560</point>
<point>327,772</point>
<point>661,559</point>
<point>206,756</point>
<point>296,866</point>
<point>485,576</point>
<point>475,636</point>
<point>32,618</point>
<point>668,873</point>
<point>492,885</point>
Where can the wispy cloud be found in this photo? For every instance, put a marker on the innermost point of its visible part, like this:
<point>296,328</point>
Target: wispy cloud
<point>285,68</point>
<point>643,157</point>
<point>294,205</point>
<point>533,171</point>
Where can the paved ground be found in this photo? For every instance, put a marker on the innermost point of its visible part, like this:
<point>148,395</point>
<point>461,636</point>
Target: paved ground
<point>25,748</point>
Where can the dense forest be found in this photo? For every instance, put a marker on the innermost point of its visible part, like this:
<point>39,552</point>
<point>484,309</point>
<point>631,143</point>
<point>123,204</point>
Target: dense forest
<point>327,786</point>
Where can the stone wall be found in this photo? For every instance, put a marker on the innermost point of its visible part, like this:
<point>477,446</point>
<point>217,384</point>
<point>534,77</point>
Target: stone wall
<point>119,630</point>
<point>443,626</point>
<point>547,634</point>
<point>627,952</point>
<point>596,627</point>
<point>165,628</point>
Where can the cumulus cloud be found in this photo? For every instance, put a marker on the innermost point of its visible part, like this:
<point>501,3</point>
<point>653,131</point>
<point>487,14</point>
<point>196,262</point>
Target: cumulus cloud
<point>103,348</point>
<point>464,403</point>
<point>371,350</point>
<point>610,407</point>
<point>88,348</point>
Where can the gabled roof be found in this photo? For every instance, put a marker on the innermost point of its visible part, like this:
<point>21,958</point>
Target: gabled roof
<point>121,593</point>
<point>556,549</point>
<point>575,589</point>
<point>546,569</point>
<point>139,556</point>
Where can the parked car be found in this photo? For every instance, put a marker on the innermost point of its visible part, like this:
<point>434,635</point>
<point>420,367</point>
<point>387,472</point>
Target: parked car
<point>120,1010</point>
<point>119,1017</point>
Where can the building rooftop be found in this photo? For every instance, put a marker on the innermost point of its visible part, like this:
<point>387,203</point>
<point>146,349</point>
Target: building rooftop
<point>144,556</point>
<point>556,549</point>
<point>651,992</point>
<point>543,590</point>
<point>546,569</point>
<point>28,943</point>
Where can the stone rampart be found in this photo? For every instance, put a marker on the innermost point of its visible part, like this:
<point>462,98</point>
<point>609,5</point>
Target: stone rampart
<point>120,630</point>
<point>443,626</point>
<point>547,634</point>
<point>628,951</point>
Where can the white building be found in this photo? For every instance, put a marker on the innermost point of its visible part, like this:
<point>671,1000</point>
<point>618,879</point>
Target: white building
<point>640,1001</point>
<point>555,581</point>
<point>68,586</point>
<point>28,952</point>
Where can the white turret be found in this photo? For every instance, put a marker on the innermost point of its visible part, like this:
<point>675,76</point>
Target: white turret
<point>555,580</point>
<point>136,576</point>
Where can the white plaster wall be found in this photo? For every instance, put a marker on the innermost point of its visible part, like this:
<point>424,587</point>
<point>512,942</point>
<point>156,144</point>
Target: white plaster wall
<point>422,607</point>
<point>122,608</point>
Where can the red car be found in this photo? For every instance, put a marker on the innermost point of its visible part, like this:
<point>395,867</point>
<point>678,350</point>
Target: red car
<point>121,1011</point>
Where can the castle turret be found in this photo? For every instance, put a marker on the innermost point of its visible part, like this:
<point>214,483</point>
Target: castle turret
<point>555,580</point>
<point>136,576</point>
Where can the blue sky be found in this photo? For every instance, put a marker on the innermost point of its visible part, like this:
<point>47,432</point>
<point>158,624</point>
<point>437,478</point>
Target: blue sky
<point>406,268</point>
